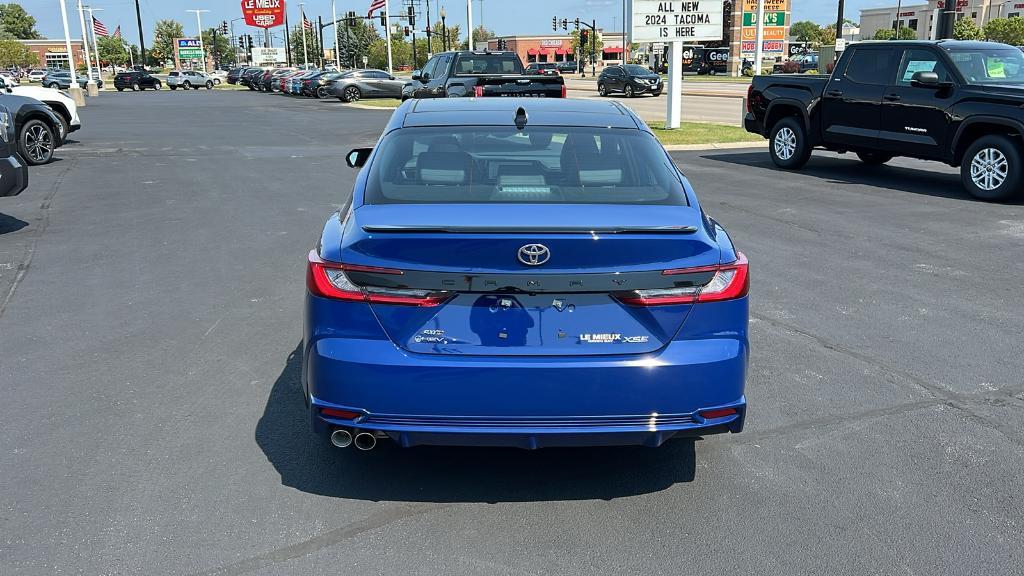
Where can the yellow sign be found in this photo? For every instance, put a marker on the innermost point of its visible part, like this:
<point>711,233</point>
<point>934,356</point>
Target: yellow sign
<point>770,33</point>
<point>769,5</point>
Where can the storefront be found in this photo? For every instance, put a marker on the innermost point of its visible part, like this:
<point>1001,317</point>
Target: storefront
<point>558,48</point>
<point>921,18</point>
<point>53,54</point>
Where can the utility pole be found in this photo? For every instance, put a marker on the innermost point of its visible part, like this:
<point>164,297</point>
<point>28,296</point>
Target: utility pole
<point>199,24</point>
<point>430,49</point>
<point>334,18</point>
<point>469,21</point>
<point>142,40</point>
<point>839,30</point>
<point>759,46</point>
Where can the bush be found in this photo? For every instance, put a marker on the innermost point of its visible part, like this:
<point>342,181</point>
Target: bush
<point>811,72</point>
<point>790,67</point>
<point>748,71</point>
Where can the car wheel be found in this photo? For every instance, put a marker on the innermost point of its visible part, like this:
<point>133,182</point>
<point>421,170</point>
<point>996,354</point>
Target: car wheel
<point>157,86</point>
<point>712,72</point>
<point>63,129</point>
<point>874,158</point>
<point>36,142</point>
<point>136,87</point>
<point>186,84</point>
<point>120,89</point>
<point>787,144</point>
<point>53,85</point>
<point>351,94</point>
<point>321,92</point>
<point>209,85</point>
<point>173,86</point>
<point>602,90</point>
<point>991,168</point>
<point>629,92</point>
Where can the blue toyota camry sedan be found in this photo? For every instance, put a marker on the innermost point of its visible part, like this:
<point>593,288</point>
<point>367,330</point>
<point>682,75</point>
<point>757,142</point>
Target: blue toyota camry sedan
<point>522,272</point>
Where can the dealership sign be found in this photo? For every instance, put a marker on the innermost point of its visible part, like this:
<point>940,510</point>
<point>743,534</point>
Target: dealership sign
<point>263,13</point>
<point>189,49</point>
<point>268,56</point>
<point>677,21</point>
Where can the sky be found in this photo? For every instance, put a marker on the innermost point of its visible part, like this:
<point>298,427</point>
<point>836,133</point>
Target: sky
<point>504,17</point>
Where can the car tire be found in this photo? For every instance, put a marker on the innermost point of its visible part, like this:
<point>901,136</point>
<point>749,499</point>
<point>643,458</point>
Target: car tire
<point>157,86</point>
<point>136,87</point>
<point>628,91</point>
<point>351,94</point>
<point>321,92</point>
<point>53,85</point>
<point>992,168</point>
<point>209,85</point>
<point>874,158</point>
<point>64,129</point>
<point>120,89</point>
<point>787,144</point>
<point>186,84</point>
<point>602,90</point>
<point>173,86</point>
<point>36,142</point>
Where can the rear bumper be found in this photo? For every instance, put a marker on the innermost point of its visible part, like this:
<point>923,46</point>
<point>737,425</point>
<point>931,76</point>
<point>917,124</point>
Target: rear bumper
<point>752,124</point>
<point>527,402</point>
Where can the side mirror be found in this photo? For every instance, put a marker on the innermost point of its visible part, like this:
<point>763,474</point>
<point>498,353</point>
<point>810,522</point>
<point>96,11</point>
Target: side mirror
<point>357,157</point>
<point>925,79</point>
<point>417,75</point>
<point>391,77</point>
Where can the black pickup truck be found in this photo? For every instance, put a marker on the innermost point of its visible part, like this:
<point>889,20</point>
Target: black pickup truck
<point>479,73</point>
<point>957,102</point>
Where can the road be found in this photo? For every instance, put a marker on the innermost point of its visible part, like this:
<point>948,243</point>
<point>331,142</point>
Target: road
<point>151,420</point>
<point>720,102</point>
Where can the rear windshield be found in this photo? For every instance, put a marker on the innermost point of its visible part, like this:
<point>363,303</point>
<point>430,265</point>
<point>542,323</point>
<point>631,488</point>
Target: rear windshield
<point>488,64</point>
<point>536,165</point>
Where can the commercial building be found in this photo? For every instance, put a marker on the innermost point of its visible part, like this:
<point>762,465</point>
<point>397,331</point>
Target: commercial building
<point>558,48</point>
<point>54,53</point>
<point>922,17</point>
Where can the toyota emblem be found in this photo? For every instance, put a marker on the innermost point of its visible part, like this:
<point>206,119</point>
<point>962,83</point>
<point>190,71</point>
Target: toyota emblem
<point>534,254</point>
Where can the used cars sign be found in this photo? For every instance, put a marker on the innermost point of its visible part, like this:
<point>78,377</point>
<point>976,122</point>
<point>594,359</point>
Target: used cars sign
<point>263,13</point>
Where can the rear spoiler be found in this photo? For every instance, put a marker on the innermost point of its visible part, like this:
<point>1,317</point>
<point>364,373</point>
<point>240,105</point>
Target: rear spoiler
<point>421,229</point>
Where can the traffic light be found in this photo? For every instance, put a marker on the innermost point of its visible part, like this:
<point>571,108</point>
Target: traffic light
<point>224,28</point>
<point>565,24</point>
<point>405,31</point>
<point>412,17</point>
<point>241,42</point>
<point>577,23</point>
<point>383,20</point>
<point>554,22</point>
<point>584,37</point>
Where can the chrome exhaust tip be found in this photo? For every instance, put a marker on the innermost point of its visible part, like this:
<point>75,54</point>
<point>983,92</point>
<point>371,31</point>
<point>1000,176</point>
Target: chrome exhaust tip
<point>365,441</point>
<point>341,438</point>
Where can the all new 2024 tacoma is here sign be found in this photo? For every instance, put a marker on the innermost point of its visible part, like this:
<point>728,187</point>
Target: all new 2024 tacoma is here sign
<point>677,20</point>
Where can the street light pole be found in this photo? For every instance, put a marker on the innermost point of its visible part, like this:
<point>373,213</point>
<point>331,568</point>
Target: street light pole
<point>75,90</point>
<point>839,28</point>
<point>199,23</point>
<point>90,85</point>
<point>444,30</point>
<point>469,21</point>
<point>334,18</point>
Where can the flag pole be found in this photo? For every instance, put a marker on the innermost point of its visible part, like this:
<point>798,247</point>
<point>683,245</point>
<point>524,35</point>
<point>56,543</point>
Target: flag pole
<point>305,52</point>
<point>334,18</point>
<point>387,32</point>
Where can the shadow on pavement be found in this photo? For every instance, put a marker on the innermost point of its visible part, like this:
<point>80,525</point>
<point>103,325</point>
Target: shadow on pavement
<point>848,169</point>
<point>309,463</point>
<point>10,223</point>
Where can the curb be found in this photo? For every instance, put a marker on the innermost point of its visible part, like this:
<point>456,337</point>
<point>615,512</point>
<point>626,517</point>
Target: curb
<point>714,146</point>
<point>365,107</point>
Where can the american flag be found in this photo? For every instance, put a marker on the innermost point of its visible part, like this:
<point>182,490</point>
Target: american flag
<point>306,23</point>
<point>376,5</point>
<point>117,31</point>
<point>99,28</point>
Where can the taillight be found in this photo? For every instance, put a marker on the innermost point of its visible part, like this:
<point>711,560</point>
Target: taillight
<point>729,282</point>
<point>750,90</point>
<point>478,91</point>
<point>328,280</point>
<point>563,90</point>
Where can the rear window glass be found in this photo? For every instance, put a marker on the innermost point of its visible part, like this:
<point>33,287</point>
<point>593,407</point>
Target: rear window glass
<point>536,165</point>
<point>489,64</point>
<point>173,74</point>
<point>871,66</point>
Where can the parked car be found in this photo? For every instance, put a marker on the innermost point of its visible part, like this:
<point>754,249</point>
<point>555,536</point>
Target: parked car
<point>797,65</point>
<point>319,84</point>
<point>36,127</point>
<point>957,102</point>
<point>274,79</point>
<point>10,79</point>
<point>567,67</point>
<point>299,83</point>
<point>61,80</point>
<point>186,79</point>
<point>715,61</point>
<point>479,73</point>
<point>355,85</point>
<point>542,68</point>
<point>136,81</point>
<point>13,171</point>
<point>630,79</point>
<point>36,75</point>
<point>468,251</point>
<point>61,104</point>
<point>251,78</point>
<point>233,75</point>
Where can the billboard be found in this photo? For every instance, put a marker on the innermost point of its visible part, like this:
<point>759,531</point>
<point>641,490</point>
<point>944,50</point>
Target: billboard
<point>189,49</point>
<point>655,21</point>
<point>268,56</point>
<point>263,13</point>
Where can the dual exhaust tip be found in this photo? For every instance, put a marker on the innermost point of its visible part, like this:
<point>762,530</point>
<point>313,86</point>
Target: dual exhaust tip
<point>343,438</point>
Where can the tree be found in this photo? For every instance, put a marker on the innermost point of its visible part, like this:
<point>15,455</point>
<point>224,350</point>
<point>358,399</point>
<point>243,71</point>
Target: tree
<point>221,50</point>
<point>1006,30</point>
<point>890,34</point>
<point>966,29</point>
<point>437,38</point>
<point>592,48</point>
<point>14,53</point>
<point>112,51</point>
<point>805,31</point>
<point>827,35</point>
<point>354,42</point>
<point>401,53</point>
<point>312,46</point>
<point>18,23</point>
<point>164,34</point>
<point>481,34</point>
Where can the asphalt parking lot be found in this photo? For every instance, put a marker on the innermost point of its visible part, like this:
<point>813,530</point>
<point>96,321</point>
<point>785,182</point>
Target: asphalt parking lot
<point>151,421</point>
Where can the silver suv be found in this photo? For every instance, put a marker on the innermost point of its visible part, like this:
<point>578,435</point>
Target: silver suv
<point>186,79</point>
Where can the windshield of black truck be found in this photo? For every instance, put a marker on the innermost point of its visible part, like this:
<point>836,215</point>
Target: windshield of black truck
<point>990,65</point>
